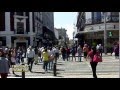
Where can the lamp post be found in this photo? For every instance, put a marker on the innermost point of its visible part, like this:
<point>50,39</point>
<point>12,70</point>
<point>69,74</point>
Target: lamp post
<point>105,34</point>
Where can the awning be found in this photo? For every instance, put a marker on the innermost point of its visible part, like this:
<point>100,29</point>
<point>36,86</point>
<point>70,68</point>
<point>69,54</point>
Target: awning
<point>90,31</point>
<point>78,34</point>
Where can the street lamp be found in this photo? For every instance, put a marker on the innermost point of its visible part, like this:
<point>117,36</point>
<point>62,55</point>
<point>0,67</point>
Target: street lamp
<point>105,34</point>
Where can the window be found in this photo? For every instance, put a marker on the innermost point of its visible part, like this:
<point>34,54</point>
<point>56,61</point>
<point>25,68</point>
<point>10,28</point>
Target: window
<point>20,28</point>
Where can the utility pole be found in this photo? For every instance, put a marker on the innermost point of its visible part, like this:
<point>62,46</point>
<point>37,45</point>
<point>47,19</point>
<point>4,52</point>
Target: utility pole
<point>105,34</point>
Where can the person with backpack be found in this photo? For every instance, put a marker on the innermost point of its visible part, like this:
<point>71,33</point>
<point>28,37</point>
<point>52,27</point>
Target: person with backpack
<point>93,53</point>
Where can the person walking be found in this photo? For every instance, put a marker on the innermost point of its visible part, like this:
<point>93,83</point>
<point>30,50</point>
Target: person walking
<point>45,56</point>
<point>39,55</point>
<point>116,50</point>
<point>93,63</point>
<point>4,65</point>
<point>56,53</point>
<point>51,54</point>
<point>30,55</point>
<point>63,52</point>
<point>68,53</point>
<point>79,51</point>
<point>100,48</point>
<point>73,51</point>
<point>13,59</point>
<point>85,50</point>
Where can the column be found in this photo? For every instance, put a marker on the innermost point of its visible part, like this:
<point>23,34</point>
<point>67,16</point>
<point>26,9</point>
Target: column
<point>8,41</point>
<point>31,22</point>
<point>7,22</point>
<point>31,40</point>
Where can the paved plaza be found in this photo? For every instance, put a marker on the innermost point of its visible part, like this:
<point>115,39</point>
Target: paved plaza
<point>109,68</point>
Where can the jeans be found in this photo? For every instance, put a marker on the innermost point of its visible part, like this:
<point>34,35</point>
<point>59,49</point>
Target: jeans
<point>45,64</point>
<point>30,63</point>
<point>63,56</point>
<point>79,57</point>
<point>93,66</point>
<point>50,64</point>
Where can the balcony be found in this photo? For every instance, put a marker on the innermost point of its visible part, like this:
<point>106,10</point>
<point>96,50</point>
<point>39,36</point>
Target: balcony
<point>20,32</point>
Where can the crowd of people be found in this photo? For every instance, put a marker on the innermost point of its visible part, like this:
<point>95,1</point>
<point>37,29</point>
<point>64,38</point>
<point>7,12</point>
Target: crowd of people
<point>49,55</point>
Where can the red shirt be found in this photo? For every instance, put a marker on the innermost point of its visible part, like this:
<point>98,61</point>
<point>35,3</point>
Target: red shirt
<point>90,53</point>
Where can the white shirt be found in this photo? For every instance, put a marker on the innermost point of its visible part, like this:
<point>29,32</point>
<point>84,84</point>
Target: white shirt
<point>30,54</point>
<point>51,52</point>
<point>56,50</point>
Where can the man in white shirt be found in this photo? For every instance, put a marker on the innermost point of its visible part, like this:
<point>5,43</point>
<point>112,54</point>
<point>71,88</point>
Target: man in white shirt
<point>56,51</point>
<point>30,55</point>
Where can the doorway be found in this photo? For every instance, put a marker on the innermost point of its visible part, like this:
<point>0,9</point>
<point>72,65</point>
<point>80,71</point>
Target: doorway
<point>21,44</point>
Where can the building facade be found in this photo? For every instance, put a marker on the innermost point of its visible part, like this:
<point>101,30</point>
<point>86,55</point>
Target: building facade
<point>80,27</point>
<point>48,28</point>
<point>63,37</point>
<point>93,31</point>
<point>56,33</point>
<point>22,29</point>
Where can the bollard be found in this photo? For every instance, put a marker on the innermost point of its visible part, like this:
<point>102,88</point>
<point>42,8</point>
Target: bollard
<point>54,69</point>
<point>23,72</point>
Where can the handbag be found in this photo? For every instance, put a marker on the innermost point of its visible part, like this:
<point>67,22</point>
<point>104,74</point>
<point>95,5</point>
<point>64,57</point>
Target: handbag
<point>97,58</point>
<point>51,58</point>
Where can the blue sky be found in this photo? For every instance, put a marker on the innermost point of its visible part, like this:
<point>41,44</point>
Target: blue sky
<point>65,20</point>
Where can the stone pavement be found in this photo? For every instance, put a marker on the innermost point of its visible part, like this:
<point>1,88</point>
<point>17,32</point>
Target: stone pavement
<point>109,68</point>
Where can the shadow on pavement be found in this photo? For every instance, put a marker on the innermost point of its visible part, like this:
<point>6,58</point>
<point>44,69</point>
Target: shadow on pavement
<point>59,64</point>
<point>58,76</point>
<point>37,72</point>
<point>39,64</point>
<point>78,61</point>
<point>17,75</point>
<point>60,70</point>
